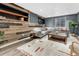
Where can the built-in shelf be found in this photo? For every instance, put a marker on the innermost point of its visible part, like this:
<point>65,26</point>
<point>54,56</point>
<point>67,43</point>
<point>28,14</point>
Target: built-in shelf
<point>11,13</point>
<point>10,21</point>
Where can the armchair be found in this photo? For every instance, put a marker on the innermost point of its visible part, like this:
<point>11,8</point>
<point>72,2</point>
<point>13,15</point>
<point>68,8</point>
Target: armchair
<point>74,49</point>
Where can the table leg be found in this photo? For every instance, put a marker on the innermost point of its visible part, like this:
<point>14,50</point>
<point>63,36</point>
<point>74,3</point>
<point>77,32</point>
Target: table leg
<point>65,40</point>
<point>48,36</point>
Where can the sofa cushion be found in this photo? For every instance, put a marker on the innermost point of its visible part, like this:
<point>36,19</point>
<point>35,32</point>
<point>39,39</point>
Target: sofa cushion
<point>37,29</point>
<point>50,28</point>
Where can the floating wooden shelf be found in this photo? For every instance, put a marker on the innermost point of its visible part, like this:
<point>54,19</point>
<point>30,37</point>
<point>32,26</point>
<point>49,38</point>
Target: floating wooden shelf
<point>11,13</point>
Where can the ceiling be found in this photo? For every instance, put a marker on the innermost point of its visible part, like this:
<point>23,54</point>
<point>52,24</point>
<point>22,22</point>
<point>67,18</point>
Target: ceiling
<point>51,9</point>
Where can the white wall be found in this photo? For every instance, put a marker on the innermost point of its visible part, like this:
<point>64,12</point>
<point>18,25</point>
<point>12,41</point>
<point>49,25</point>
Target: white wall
<point>51,9</point>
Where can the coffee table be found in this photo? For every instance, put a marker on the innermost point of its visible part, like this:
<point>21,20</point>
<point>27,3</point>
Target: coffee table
<point>55,36</point>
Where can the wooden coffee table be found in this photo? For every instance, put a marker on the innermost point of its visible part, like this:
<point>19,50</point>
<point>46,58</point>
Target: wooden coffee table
<point>54,36</point>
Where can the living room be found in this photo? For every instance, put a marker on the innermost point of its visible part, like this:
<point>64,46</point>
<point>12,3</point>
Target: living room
<point>54,33</point>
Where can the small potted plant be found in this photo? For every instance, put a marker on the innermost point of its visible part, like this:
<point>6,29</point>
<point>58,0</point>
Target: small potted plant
<point>72,26</point>
<point>1,36</point>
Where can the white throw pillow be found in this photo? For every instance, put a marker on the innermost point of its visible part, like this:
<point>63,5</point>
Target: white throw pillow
<point>37,29</point>
<point>49,28</point>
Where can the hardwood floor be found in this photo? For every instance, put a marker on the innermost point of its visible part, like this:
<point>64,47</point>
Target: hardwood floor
<point>56,46</point>
<point>11,50</point>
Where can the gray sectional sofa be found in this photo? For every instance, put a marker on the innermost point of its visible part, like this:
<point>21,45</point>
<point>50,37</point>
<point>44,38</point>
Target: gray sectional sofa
<point>40,32</point>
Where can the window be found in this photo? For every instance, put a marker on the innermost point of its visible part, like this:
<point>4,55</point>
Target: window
<point>53,22</point>
<point>60,22</point>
